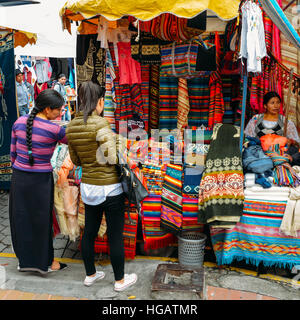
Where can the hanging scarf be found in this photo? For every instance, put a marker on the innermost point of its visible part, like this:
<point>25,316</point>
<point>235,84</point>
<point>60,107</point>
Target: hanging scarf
<point>171,199</point>
<point>216,101</point>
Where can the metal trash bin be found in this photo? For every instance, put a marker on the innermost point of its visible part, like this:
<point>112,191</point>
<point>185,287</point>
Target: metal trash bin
<point>191,247</point>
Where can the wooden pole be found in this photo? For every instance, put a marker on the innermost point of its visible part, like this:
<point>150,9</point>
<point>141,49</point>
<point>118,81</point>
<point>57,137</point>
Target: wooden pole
<point>245,87</point>
<point>287,107</point>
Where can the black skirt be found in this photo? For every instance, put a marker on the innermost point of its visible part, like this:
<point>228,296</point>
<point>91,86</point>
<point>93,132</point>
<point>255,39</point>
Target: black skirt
<point>30,213</point>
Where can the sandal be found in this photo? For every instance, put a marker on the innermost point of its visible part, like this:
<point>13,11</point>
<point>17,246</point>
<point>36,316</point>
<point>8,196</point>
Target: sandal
<point>62,266</point>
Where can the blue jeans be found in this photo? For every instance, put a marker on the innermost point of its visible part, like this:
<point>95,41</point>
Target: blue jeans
<point>23,110</point>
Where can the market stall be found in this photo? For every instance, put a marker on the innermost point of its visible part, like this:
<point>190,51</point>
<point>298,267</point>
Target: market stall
<point>193,169</point>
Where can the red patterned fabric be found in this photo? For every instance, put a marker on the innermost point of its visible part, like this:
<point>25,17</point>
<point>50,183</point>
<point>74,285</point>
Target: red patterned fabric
<point>216,101</point>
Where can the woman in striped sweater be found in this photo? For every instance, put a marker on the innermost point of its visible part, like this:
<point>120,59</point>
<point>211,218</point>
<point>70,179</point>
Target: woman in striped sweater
<point>33,141</point>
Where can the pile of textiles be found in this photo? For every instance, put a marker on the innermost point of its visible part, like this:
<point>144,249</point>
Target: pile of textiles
<point>154,176</point>
<point>284,174</point>
<point>257,237</point>
<point>66,193</point>
<point>257,162</point>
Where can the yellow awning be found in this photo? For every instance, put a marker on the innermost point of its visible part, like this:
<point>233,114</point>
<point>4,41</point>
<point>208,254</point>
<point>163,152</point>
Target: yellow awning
<point>146,9</point>
<point>21,38</point>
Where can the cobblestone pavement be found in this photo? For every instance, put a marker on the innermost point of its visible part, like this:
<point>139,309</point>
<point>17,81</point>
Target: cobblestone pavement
<point>59,243</point>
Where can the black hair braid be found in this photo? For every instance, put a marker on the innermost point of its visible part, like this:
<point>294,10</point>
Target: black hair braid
<point>29,126</point>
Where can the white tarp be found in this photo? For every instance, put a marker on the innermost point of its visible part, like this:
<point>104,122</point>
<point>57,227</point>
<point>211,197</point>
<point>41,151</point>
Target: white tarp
<point>44,20</point>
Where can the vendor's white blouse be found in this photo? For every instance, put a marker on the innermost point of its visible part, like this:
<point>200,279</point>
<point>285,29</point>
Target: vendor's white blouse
<point>94,195</point>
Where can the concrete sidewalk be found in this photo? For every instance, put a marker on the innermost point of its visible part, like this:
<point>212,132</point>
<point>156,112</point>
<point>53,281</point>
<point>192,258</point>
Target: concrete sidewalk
<point>220,284</point>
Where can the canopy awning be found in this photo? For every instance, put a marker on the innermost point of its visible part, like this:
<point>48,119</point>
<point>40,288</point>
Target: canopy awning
<point>146,9</point>
<point>278,17</point>
<point>21,38</point>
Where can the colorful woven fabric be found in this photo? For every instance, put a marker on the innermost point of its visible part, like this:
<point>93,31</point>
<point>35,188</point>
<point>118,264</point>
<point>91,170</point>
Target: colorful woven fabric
<point>109,100</point>
<point>154,236</point>
<point>179,60</point>
<point>170,28</point>
<point>216,102</point>
<point>154,176</point>
<point>256,237</point>
<point>171,199</point>
<point>222,185</point>
<point>191,180</point>
<point>183,104</point>
<point>199,101</point>
<point>154,97</point>
<point>168,102</point>
<point>283,173</point>
<point>190,214</point>
<point>145,91</point>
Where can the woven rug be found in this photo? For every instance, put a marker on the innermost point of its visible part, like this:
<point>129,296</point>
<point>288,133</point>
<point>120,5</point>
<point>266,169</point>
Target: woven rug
<point>171,199</point>
<point>198,89</point>
<point>154,236</point>
<point>154,97</point>
<point>190,214</point>
<point>168,102</point>
<point>256,237</point>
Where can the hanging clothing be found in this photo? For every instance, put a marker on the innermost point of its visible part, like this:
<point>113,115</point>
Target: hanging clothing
<point>221,191</point>
<point>129,69</point>
<point>43,70</point>
<point>253,45</point>
<point>90,60</point>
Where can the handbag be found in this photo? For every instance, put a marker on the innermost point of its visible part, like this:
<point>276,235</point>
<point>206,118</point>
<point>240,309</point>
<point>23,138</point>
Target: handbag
<point>179,60</point>
<point>206,59</point>
<point>134,190</point>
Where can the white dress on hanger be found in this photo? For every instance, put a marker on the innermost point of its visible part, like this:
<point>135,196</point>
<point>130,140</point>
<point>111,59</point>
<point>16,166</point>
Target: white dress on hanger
<point>253,44</point>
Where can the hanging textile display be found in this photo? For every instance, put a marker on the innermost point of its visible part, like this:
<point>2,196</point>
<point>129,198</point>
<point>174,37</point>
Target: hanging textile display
<point>154,97</point>
<point>199,95</point>
<point>221,191</point>
<point>8,108</point>
<point>171,28</point>
<point>171,199</point>
<point>154,236</point>
<point>110,94</point>
<point>256,237</point>
<point>183,104</point>
<point>168,102</point>
<point>216,102</point>
<point>90,60</point>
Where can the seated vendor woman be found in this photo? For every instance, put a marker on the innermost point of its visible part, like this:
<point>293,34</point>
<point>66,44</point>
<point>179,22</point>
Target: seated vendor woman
<point>271,122</point>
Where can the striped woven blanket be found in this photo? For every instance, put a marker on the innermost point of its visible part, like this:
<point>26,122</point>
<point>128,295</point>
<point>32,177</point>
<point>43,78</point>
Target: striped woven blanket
<point>154,236</point>
<point>256,237</point>
<point>171,199</point>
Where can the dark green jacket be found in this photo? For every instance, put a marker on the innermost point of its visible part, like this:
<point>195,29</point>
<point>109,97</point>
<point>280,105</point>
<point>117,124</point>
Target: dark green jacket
<point>94,147</point>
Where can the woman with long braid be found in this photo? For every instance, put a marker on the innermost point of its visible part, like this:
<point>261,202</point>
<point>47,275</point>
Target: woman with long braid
<point>33,141</point>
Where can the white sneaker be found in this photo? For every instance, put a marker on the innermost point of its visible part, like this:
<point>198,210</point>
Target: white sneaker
<point>88,281</point>
<point>129,280</point>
